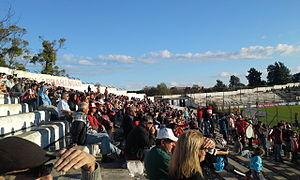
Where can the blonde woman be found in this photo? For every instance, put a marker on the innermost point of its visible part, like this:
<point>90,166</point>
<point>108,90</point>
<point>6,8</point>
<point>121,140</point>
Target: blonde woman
<point>190,150</point>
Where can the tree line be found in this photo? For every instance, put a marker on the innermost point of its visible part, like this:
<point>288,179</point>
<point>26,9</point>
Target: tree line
<point>15,52</point>
<point>278,73</point>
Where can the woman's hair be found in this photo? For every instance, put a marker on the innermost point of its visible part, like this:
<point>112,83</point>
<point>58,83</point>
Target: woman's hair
<point>185,160</point>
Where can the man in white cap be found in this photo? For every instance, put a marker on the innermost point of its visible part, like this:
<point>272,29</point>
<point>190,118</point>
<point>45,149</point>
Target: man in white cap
<point>157,160</point>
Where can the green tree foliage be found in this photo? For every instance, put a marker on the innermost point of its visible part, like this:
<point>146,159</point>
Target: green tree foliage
<point>13,49</point>
<point>220,86</point>
<point>296,77</point>
<point>254,78</point>
<point>278,74</point>
<point>160,89</point>
<point>163,89</point>
<point>47,57</point>
<point>234,82</point>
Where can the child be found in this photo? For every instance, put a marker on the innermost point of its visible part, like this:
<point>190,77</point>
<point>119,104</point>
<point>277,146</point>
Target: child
<point>256,165</point>
<point>295,147</point>
<point>238,146</point>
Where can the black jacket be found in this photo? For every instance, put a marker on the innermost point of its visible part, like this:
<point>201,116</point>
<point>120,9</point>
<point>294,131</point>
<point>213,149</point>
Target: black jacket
<point>127,125</point>
<point>137,141</point>
<point>79,128</point>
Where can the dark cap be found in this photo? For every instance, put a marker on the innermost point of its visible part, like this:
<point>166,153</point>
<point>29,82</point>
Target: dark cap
<point>19,154</point>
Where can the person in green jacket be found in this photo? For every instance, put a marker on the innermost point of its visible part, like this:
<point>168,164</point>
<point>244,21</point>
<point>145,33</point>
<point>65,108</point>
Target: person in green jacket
<point>157,161</point>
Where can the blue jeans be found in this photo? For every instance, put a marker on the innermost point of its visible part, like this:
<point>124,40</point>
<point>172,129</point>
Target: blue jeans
<point>104,142</point>
<point>277,152</point>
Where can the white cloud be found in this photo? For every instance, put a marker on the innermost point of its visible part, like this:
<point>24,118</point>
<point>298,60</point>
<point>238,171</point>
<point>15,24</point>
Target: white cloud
<point>295,69</point>
<point>252,52</point>
<point>69,66</point>
<point>183,84</point>
<point>68,57</point>
<point>124,59</point>
<point>86,62</point>
<point>227,74</point>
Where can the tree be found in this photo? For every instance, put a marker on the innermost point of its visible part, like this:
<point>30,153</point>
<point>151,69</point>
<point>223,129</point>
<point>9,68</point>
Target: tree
<point>47,57</point>
<point>254,77</point>
<point>220,86</point>
<point>13,49</point>
<point>296,77</point>
<point>278,74</point>
<point>163,89</point>
<point>234,82</point>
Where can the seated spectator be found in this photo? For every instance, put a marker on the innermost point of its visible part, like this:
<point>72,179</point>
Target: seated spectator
<point>83,134</point>
<point>27,161</point>
<point>190,150</point>
<point>45,102</point>
<point>18,89</point>
<point>140,139</point>
<point>157,160</point>
<point>30,97</point>
<point>73,102</point>
<point>256,164</point>
<point>93,120</point>
<point>128,122</point>
<point>64,112</point>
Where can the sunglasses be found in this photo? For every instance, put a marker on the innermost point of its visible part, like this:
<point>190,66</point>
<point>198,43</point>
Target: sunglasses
<point>149,122</point>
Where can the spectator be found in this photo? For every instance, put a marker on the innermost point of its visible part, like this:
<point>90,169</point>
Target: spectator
<point>83,134</point>
<point>277,139</point>
<point>223,127</point>
<point>73,102</point>
<point>26,160</point>
<point>64,112</point>
<point>256,165</point>
<point>294,147</point>
<point>45,102</point>
<point>128,122</point>
<point>261,132</point>
<point>140,139</point>
<point>240,125</point>
<point>190,150</point>
<point>30,97</point>
<point>157,161</point>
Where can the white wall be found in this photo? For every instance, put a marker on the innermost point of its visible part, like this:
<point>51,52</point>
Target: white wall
<point>66,82</point>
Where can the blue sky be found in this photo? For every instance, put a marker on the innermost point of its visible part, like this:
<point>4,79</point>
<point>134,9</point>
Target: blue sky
<point>134,43</point>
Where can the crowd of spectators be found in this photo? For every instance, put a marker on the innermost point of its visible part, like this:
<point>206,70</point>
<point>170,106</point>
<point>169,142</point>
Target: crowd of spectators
<point>172,143</point>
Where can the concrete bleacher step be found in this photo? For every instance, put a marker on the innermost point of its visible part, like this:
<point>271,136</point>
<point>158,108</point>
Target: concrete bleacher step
<point>10,124</point>
<point>47,134</point>
<point>13,109</point>
<point>6,99</point>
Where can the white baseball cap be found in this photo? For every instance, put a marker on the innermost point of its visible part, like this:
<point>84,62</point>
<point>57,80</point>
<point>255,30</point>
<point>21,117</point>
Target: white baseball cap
<point>166,133</point>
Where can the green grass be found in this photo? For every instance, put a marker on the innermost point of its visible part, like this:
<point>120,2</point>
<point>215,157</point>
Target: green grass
<point>286,113</point>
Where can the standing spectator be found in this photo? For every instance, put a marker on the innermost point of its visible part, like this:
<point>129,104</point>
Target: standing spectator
<point>231,128</point>
<point>223,127</point>
<point>294,147</point>
<point>157,160</point>
<point>240,125</point>
<point>286,134</point>
<point>277,139</point>
<point>30,97</point>
<point>261,132</point>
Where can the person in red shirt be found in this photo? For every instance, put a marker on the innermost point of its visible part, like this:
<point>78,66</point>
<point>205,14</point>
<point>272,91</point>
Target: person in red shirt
<point>240,125</point>
<point>93,120</point>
